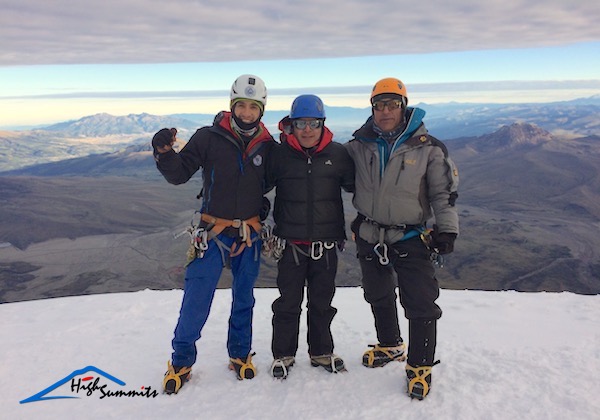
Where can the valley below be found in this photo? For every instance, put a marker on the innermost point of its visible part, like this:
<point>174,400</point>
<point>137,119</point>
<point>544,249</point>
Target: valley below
<point>524,251</point>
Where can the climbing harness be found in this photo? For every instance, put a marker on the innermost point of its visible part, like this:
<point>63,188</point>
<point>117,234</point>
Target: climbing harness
<point>381,249</point>
<point>205,227</point>
<point>315,250</point>
<point>273,247</point>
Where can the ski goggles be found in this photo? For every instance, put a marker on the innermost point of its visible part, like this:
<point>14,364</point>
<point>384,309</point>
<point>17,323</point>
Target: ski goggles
<point>390,104</point>
<point>312,124</point>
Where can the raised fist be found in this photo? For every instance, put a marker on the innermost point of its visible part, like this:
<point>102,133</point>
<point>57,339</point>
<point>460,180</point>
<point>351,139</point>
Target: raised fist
<point>163,140</point>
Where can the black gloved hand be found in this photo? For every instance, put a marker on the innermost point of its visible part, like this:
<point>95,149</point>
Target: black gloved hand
<point>163,138</point>
<point>443,241</point>
<point>265,209</point>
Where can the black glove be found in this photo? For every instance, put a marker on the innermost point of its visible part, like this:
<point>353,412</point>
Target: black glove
<point>265,209</point>
<point>442,241</point>
<point>163,138</point>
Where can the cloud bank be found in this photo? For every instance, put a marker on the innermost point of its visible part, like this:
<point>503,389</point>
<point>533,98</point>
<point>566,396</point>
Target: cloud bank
<point>151,31</point>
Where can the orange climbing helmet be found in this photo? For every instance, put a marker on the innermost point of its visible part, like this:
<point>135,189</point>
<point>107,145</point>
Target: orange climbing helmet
<point>389,87</point>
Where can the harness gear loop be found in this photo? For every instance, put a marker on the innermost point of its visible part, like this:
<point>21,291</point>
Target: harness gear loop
<point>273,245</point>
<point>278,248</point>
<point>266,232</point>
<point>435,257</point>
<point>200,238</point>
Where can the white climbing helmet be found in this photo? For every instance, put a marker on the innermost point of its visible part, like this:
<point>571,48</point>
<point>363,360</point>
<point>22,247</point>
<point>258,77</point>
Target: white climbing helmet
<point>248,86</point>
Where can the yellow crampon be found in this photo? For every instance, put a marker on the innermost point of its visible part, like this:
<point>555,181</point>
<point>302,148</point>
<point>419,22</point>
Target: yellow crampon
<point>178,378</point>
<point>243,369</point>
<point>418,385</point>
<point>373,357</point>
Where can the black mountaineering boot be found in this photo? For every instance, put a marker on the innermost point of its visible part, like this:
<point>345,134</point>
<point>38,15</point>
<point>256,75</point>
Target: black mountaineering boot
<point>243,367</point>
<point>281,367</point>
<point>421,354</point>
<point>330,362</point>
<point>175,378</point>
<point>379,355</point>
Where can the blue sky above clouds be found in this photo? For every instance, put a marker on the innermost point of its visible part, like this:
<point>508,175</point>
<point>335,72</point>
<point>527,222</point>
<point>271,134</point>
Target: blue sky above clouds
<point>62,60</point>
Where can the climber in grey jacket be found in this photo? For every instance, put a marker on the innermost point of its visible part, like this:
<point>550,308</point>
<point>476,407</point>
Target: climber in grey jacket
<point>404,178</point>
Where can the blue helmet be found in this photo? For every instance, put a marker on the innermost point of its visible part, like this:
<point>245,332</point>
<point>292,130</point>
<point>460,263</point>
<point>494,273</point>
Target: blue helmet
<point>307,106</point>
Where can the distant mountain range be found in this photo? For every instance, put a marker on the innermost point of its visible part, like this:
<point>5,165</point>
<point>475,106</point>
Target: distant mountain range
<point>101,125</point>
<point>104,133</point>
<point>453,120</point>
<point>528,202</point>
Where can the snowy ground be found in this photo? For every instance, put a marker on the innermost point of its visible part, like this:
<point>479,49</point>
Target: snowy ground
<point>504,355</point>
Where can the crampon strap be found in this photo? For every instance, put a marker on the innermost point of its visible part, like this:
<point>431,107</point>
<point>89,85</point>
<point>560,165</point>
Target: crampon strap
<point>376,348</point>
<point>171,375</point>
<point>243,366</point>
<point>420,373</point>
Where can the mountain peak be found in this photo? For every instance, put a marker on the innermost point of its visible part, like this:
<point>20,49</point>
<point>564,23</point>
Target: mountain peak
<point>518,134</point>
<point>103,124</point>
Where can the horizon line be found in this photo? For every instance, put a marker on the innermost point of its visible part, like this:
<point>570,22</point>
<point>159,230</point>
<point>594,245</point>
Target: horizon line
<point>500,85</point>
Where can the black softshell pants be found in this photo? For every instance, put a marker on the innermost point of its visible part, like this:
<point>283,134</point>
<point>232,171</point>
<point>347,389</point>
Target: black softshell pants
<point>319,277</point>
<point>410,269</point>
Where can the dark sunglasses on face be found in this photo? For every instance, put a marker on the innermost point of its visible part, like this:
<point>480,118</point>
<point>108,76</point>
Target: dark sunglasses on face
<point>391,105</point>
<point>313,124</point>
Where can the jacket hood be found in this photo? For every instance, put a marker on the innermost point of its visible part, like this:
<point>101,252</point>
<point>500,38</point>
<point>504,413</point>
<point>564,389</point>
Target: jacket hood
<point>286,136</point>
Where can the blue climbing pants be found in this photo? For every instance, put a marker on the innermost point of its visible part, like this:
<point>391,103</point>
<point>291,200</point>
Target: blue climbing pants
<point>201,279</point>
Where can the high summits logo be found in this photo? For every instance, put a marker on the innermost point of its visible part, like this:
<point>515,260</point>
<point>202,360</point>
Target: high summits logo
<point>86,384</point>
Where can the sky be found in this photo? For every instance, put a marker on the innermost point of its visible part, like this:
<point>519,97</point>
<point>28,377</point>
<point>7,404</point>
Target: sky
<point>63,60</point>
<point>503,355</point>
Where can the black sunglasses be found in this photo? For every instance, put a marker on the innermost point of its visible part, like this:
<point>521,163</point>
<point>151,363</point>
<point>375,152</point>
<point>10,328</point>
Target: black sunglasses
<point>391,105</point>
<point>313,124</point>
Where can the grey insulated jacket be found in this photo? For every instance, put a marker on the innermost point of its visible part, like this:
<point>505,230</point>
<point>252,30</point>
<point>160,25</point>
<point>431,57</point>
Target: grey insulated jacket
<point>405,184</point>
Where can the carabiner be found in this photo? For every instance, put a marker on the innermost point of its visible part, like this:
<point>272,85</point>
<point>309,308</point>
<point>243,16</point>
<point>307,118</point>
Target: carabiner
<point>278,248</point>
<point>200,239</point>
<point>437,259</point>
<point>316,250</point>
<point>383,258</point>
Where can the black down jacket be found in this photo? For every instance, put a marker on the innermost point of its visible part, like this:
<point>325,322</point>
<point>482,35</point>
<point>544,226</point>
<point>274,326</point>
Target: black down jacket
<point>308,201</point>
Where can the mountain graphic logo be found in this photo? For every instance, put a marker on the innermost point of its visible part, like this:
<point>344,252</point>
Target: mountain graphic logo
<point>41,396</point>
